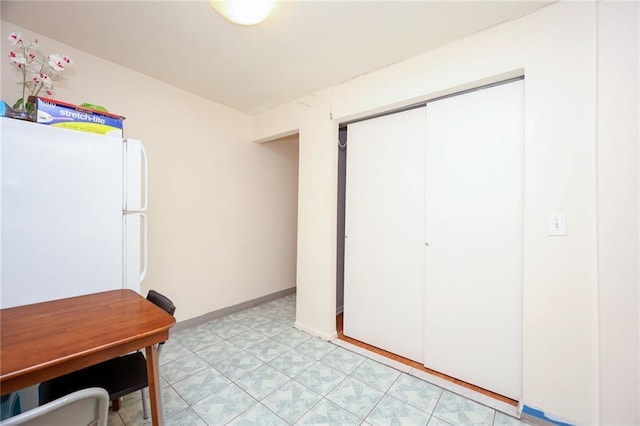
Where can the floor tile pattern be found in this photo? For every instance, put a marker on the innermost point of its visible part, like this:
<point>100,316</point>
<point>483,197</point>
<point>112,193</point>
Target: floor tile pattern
<point>356,396</point>
<point>253,367</point>
<point>375,374</point>
<point>391,411</point>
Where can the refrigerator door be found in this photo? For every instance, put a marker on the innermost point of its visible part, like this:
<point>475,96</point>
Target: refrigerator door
<point>61,205</point>
<point>135,219</point>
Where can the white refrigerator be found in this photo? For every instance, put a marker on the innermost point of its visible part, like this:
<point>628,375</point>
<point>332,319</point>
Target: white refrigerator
<point>72,208</point>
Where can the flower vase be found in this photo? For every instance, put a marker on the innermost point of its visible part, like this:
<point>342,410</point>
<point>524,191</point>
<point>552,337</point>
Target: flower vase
<point>21,115</point>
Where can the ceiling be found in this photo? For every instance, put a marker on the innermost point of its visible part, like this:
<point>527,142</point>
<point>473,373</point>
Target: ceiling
<point>303,47</point>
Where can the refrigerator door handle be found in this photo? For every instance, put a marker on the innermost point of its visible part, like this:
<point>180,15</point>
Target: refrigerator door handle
<point>135,249</point>
<point>145,161</point>
<point>125,182</point>
<point>136,174</point>
<point>143,272</point>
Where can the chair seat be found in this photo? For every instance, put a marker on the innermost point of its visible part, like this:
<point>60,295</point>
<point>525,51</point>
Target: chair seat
<point>119,376</point>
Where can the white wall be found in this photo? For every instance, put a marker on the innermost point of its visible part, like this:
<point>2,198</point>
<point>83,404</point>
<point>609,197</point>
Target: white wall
<point>222,214</point>
<point>556,49</point>
<point>618,213</point>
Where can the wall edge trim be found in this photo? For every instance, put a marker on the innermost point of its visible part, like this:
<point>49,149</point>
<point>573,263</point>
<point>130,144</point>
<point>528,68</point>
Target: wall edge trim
<point>192,322</point>
<point>314,332</point>
<point>538,416</point>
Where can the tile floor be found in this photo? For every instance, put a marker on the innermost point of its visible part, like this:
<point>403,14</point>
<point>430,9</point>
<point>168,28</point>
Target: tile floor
<point>253,368</point>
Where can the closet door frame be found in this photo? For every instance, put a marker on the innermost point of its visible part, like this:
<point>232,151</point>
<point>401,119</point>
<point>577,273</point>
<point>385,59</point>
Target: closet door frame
<point>341,216</point>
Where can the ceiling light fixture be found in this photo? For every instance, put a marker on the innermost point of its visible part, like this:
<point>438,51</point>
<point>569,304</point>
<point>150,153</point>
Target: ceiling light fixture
<point>243,12</point>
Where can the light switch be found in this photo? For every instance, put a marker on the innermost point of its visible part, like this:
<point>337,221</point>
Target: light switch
<point>557,225</point>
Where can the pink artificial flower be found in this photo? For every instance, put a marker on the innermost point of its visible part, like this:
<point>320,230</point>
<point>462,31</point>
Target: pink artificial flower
<point>36,79</point>
<point>17,58</point>
<point>49,92</point>
<point>56,62</point>
<point>46,80</point>
<point>67,60</point>
<point>14,38</point>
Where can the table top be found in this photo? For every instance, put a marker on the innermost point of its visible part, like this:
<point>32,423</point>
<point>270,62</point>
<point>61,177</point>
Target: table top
<point>58,336</point>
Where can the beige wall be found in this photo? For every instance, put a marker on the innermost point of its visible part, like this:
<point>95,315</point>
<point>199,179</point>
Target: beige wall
<point>317,203</point>
<point>211,199</point>
<point>556,49</point>
<point>222,212</point>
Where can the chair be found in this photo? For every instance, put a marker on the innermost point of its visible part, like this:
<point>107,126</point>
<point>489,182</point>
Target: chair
<point>86,407</point>
<point>119,376</point>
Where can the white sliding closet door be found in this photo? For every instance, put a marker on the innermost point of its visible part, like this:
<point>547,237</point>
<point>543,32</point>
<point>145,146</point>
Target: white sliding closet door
<point>473,224</point>
<point>384,248</point>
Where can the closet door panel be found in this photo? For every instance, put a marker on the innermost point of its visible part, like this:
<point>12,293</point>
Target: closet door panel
<point>384,247</point>
<point>473,224</point>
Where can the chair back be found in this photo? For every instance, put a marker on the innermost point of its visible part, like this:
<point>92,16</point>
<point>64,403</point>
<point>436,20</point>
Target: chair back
<point>86,407</point>
<point>163,302</point>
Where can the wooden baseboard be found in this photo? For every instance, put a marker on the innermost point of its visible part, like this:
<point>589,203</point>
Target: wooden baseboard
<point>417,365</point>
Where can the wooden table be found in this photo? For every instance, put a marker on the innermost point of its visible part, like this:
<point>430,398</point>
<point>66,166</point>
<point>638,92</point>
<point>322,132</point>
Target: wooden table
<point>44,340</point>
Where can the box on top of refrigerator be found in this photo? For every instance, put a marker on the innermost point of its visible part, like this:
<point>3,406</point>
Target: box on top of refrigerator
<point>68,116</point>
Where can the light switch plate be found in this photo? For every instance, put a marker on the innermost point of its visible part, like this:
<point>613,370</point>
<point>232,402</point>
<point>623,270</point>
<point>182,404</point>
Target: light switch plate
<point>557,225</point>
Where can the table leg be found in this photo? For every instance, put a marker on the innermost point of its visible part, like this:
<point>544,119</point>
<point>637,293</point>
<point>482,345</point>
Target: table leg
<point>153,377</point>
